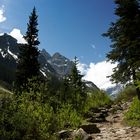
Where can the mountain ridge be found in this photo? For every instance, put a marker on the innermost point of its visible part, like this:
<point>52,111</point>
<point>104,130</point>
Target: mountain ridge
<point>55,64</point>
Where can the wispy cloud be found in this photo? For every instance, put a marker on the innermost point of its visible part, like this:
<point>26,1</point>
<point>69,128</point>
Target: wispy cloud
<point>97,73</point>
<point>93,46</point>
<point>2,17</point>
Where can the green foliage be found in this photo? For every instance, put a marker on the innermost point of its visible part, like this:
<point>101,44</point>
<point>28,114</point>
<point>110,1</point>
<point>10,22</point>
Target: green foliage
<point>68,117</point>
<point>75,88</point>
<point>33,115</point>
<point>126,94</point>
<point>96,100</point>
<point>27,119</point>
<point>124,34</point>
<point>132,116</point>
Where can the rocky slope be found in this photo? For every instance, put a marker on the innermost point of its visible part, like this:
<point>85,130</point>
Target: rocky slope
<point>106,124</point>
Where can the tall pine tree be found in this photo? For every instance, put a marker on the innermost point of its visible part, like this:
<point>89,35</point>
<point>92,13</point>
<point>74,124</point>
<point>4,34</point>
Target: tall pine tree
<point>28,65</point>
<point>78,93</point>
<point>125,37</point>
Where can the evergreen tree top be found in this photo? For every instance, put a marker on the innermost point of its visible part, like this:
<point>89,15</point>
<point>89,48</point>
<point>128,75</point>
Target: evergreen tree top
<point>32,32</point>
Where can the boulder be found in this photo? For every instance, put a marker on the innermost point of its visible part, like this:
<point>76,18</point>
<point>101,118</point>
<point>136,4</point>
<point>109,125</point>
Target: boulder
<point>90,128</point>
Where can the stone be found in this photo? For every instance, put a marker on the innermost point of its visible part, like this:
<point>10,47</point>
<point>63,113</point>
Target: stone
<point>90,128</point>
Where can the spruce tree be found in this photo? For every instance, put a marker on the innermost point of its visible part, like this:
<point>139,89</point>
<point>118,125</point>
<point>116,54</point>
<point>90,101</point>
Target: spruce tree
<point>125,36</point>
<point>28,65</point>
<point>78,93</point>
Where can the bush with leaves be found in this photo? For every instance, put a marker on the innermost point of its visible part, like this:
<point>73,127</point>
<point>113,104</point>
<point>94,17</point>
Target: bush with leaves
<point>68,117</point>
<point>97,99</point>
<point>27,119</point>
<point>132,116</point>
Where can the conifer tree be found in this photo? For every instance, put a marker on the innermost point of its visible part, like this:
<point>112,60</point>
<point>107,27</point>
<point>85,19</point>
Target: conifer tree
<point>125,37</point>
<point>78,93</point>
<point>28,65</point>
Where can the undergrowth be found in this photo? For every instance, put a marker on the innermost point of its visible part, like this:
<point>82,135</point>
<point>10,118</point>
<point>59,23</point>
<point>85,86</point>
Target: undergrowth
<point>132,116</point>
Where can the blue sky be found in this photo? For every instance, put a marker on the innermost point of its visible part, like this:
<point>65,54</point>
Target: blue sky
<point>70,27</point>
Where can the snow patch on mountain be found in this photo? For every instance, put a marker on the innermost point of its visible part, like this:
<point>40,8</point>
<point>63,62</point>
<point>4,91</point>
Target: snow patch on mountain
<point>12,54</point>
<point>44,74</point>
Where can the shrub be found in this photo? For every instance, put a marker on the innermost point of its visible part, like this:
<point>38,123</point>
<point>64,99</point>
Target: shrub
<point>97,99</point>
<point>68,117</point>
<point>132,116</point>
<point>27,119</point>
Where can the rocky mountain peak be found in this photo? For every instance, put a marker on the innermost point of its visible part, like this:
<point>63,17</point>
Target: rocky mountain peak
<point>46,55</point>
<point>58,56</point>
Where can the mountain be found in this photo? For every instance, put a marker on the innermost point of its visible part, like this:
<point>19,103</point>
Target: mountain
<point>56,64</point>
<point>113,91</point>
<point>8,57</point>
<point>91,86</point>
<point>61,64</point>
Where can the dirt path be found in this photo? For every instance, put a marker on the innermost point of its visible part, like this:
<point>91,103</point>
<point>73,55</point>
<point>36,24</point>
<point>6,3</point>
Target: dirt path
<point>114,129</point>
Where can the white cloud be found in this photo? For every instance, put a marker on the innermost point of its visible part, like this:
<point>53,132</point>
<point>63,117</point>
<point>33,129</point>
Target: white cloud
<point>2,17</point>
<point>97,73</point>
<point>82,68</point>
<point>16,33</point>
